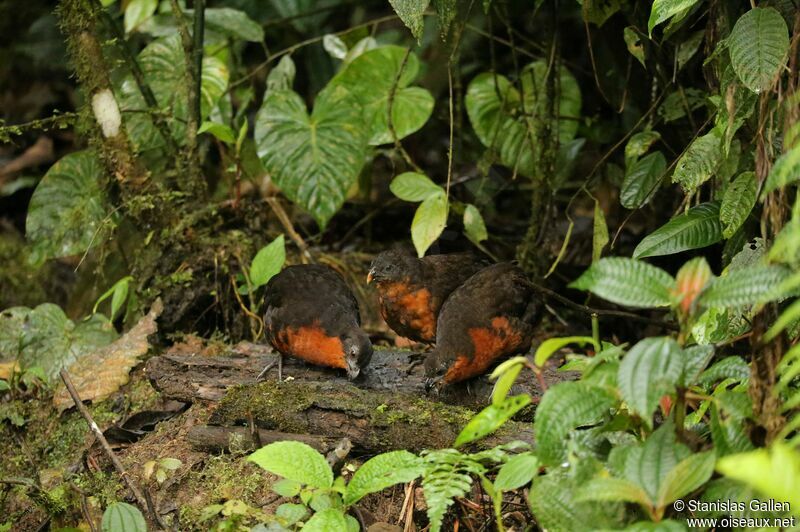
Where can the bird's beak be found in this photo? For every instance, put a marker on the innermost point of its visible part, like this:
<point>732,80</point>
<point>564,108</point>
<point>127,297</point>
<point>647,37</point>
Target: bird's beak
<point>434,385</point>
<point>353,371</point>
<point>370,276</point>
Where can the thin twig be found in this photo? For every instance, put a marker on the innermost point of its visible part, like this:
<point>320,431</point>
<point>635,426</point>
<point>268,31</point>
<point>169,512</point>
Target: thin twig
<point>601,312</point>
<point>287,224</point>
<point>450,139</point>
<point>390,108</point>
<point>197,50</point>
<point>104,443</point>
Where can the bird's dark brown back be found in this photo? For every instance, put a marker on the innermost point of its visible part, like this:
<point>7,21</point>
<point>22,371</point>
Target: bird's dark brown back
<point>490,316</point>
<point>412,291</point>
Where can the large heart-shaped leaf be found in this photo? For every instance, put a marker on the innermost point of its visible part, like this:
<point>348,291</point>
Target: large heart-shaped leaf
<point>505,119</point>
<point>698,228</point>
<point>313,159</point>
<point>66,212</point>
<point>758,45</point>
<point>370,78</point>
<point>164,67</point>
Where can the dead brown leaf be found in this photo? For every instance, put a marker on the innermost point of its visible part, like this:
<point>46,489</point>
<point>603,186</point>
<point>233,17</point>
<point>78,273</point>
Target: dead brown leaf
<point>97,375</point>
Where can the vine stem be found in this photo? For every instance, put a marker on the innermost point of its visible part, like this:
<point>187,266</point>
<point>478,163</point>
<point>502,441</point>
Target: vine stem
<point>389,119</point>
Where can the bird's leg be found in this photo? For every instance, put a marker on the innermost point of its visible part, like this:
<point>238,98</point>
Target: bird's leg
<point>271,365</point>
<point>280,367</point>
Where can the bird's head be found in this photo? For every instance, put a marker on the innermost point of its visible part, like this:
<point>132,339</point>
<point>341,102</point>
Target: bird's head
<point>357,352</point>
<point>436,366</point>
<point>392,265</point>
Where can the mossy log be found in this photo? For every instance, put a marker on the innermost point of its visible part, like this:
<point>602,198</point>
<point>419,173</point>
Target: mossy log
<point>386,408</point>
<point>374,421</point>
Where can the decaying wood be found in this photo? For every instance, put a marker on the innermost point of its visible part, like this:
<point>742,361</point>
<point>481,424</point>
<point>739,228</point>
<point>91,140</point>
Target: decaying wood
<point>213,438</point>
<point>387,408</point>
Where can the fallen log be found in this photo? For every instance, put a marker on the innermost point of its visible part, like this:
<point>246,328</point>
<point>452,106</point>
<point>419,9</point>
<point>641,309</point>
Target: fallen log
<point>386,408</point>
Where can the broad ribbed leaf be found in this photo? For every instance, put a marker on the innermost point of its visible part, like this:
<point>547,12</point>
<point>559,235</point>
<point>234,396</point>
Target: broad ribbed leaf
<point>164,65</point>
<point>313,159</point>
<point>295,461</point>
<point>327,520</point>
<point>786,171</point>
<point>491,418</point>
<point>648,371</point>
<point>565,407</point>
<point>663,10</point>
<point>232,22</point>
<point>639,144</point>
<point>758,45</point>
<point>412,13</point>
<point>474,227</point>
<point>729,433</point>
<point>732,367</point>
<point>137,11</point>
<point>775,472</point>
<point>696,166</point>
<point>370,77</point>
<point>413,186</point>
<point>695,360</point>
<point>627,282</point>
<point>552,501</point>
<point>747,286</point>
<point>688,475</point>
<point>612,489</point>
<point>517,472</point>
<point>738,201</point>
<point>507,124</point>
<point>67,211</point>
<point>382,471</point>
<point>268,262</point>
<point>429,222</point>
<point>123,517</point>
<point>641,180</point>
<point>698,228</point>
<point>649,465</point>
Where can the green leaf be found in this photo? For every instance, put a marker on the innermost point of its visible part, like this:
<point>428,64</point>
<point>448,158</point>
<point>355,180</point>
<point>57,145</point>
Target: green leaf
<point>327,520</point>
<point>739,199</point>
<point>474,227</point>
<point>563,408</point>
<point>118,294</point>
<point>758,45</point>
<point>627,282</point>
<point>491,418</point>
<point>4,386</point>
<point>294,461</point>
<point>370,78</point>
<point>335,46</point>
<point>547,348</point>
<point>66,214</point>
<point>429,222</point>
<point>663,10</point>
<point>163,64</point>
<point>222,132</point>
<point>648,371</point>
<point>268,262</point>
<point>641,180</point>
<point>137,11</point>
<point>411,12</point>
<point>291,513</point>
<point>413,186</point>
<point>774,471</point>
<point>507,123</point>
<point>695,359</point>
<point>314,159</point>
<point>698,228</point>
<point>612,489</point>
<point>553,502</point>
<point>286,488</point>
<point>786,171</point>
<point>506,374</point>
<point>599,232</point>
<point>650,464</point>
<point>517,472</point>
<point>122,517</point>
<point>688,475</point>
<point>747,286</point>
<point>729,367</point>
<point>634,43</point>
<point>282,76</point>
<point>382,471</point>
<point>686,49</point>
<point>639,144</point>
<point>697,164</point>
<point>232,22</point>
